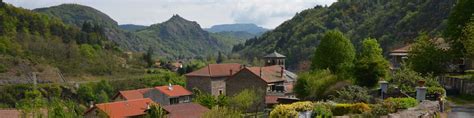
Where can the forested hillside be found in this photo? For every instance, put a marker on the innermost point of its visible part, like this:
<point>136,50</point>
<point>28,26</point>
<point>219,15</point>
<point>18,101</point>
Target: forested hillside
<point>249,28</point>
<point>77,15</point>
<point>392,22</point>
<point>178,37</point>
<point>132,27</point>
<point>33,42</point>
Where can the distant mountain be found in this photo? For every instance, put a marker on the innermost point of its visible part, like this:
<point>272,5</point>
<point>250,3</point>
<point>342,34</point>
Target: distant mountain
<point>131,27</point>
<point>250,28</point>
<point>178,37</point>
<point>232,38</point>
<point>391,22</point>
<point>76,14</point>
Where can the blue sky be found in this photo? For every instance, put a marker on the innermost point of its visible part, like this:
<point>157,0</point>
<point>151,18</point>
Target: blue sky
<point>265,13</point>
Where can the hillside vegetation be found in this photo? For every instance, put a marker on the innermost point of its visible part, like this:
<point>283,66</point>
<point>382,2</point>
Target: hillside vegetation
<point>178,37</point>
<point>30,41</point>
<point>392,22</point>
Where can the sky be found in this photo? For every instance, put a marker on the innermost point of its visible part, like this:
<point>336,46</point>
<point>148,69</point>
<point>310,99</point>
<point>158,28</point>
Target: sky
<point>265,13</point>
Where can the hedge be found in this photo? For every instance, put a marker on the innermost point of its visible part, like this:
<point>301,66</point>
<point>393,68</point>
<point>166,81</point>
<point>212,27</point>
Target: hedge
<point>357,108</point>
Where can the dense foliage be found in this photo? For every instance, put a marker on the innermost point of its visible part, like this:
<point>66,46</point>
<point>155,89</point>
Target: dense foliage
<point>352,94</point>
<point>335,53</point>
<point>370,65</point>
<point>315,85</point>
<point>427,57</point>
<point>39,39</point>
<point>391,22</point>
<point>181,38</point>
<point>459,18</point>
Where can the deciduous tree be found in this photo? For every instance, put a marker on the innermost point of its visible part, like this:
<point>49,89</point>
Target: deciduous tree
<point>335,52</point>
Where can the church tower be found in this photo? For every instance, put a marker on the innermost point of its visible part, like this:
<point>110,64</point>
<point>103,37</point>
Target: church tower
<point>274,58</point>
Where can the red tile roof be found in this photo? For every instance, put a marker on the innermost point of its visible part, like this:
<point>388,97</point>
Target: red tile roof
<point>123,109</point>
<point>185,110</point>
<point>10,113</point>
<point>132,94</point>
<point>176,91</point>
<point>217,70</point>
<point>271,99</point>
<point>269,73</point>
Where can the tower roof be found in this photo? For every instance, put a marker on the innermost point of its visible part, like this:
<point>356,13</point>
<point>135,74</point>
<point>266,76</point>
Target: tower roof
<point>275,54</point>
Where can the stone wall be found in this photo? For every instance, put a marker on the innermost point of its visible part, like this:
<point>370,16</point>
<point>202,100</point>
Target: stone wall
<point>201,83</point>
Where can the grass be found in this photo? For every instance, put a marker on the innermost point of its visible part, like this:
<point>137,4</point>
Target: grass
<point>462,99</point>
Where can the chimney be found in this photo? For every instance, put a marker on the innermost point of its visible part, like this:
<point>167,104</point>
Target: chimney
<point>91,104</point>
<point>282,71</point>
<point>147,106</point>
<point>261,72</point>
<point>170,87</point>
<point>230,72</point>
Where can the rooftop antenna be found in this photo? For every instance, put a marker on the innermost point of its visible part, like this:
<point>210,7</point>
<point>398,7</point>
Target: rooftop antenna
<point>170,87</point>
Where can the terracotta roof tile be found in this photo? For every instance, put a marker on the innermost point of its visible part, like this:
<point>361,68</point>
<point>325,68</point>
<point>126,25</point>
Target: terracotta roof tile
<point>217,70</point>
<point>176,91</point>
<point>123,109</point>
<point>133,94</point>
<point>271,99</point>
<point>10,113</point>
<point>269,73</point>
<point>185,110</point>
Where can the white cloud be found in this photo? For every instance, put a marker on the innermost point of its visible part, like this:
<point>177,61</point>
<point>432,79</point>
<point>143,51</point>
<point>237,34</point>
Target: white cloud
<point>267,13</point>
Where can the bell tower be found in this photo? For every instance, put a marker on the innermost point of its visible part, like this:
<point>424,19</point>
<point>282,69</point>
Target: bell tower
<point>274,58</point>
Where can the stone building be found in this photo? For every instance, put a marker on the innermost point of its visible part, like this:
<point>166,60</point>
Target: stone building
<point>211,79</point>
<point>167,95</point>
<point>230,79</point>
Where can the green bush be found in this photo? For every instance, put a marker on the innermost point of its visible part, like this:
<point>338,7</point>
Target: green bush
<point>290,110</point>
<point>378,110</point>
<point>352,94</point>
<point>322,110</point>
<point>357,108</point>
<point>433,90</point>
<point>3,68</point>
<point>392,104</point>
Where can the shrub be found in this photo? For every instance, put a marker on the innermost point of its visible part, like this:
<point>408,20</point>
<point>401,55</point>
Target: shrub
<point>322,110</point>
<point>379,110</point>
<point>313,86</point>
<point>290,110</point>
<point>302,106</point>
<point>222,112</point>
<point>352,94</point>
<point>392,104</point>
<point>283,111</point>
<point>3,68</point>
<point>357,108</point>
<point>433,90</point>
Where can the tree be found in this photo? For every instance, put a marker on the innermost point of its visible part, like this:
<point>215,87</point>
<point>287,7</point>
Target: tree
<point>314,85</point>
<point>104,85</point>
<point>220,58</point>
<point>102,97</point>
<point>148,57</point>
<point>468,38</point>
<point>86,94</point>
<point>155,111</point>
<point>458,18</point>
<point>425,57</point>
<point>32,103</point>
<point>244,100</point>
<point>335,52</point>
<point>370,64</point>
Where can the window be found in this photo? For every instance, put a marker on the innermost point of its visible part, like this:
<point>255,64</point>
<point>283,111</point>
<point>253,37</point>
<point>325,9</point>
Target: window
<point>174,100</point>
<point>221,91</point>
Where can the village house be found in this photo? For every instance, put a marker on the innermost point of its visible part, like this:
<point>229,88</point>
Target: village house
<point>185,110</point>
<point>399,55</point>
<point>164,95</point>
<point>230,79</point>
<point>167,95</point>
<point>211,79</point>
<point>130,94</point>
<point>121,109</point>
